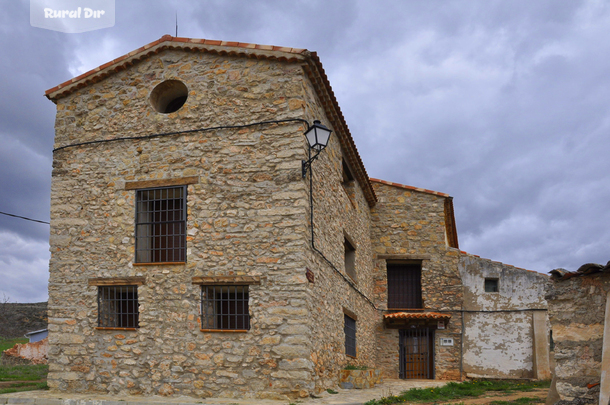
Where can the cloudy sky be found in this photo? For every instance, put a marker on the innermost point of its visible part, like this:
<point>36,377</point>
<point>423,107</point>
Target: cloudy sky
<point>504,105</point>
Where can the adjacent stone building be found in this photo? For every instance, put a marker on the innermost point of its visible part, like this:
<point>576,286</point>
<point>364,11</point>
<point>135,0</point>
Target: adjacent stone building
<point>579,311</point>
<point>191,254</point>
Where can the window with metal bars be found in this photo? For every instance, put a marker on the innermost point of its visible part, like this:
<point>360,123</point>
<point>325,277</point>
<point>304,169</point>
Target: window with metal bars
<point>491,285</point>
<point>225,307</point>
<point>118,306</point>
<point>404,286</point>
<point>350,335</point>
<point>161,225</point>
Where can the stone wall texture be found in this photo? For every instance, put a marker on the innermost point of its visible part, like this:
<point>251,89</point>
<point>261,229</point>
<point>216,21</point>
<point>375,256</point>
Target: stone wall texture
<point>410,225</point>
<point>246,216</point>
<point>249,215</point>
<point>577,312</point>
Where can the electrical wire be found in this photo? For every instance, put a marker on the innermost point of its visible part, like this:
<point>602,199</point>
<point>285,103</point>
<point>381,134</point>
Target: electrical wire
<point>188,131</point>
<point>26,218</point>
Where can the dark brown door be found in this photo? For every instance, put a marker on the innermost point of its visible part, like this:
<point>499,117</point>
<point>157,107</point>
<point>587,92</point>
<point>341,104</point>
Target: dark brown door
<point>416,353</point>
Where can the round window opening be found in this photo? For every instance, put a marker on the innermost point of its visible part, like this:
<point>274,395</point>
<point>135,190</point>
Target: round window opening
<point>169,96</point>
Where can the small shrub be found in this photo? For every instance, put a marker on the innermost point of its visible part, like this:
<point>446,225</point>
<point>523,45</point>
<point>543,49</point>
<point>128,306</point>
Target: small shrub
<point>353,367</point>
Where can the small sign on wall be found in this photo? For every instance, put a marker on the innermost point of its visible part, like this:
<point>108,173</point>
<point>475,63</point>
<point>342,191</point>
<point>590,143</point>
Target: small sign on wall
<point>309,275</point>
<point>446,341</point>
<point>441,325</point>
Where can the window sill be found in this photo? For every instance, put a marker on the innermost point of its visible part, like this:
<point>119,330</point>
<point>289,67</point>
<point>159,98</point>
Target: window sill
<point>109,328</point>
<point>160,264</point>
<point>350,356</point>
<point>224,330</point>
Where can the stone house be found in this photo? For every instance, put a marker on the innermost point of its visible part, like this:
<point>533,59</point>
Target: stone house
<point>579,311</point>
<point>191,254</point>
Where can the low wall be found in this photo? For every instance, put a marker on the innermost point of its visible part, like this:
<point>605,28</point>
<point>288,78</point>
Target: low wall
<point>36,352</point>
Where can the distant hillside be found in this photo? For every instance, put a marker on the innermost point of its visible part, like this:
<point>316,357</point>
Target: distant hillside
<point>18,319</point>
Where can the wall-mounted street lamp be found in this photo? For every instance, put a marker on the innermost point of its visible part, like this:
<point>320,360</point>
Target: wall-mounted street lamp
<point>317,136</point>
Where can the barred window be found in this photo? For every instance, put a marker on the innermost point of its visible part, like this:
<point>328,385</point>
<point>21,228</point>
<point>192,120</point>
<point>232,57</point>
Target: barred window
<point>350,335</point>
<point>404,286</point>
<point>161,225</point>
<point>225,307</point>
<point>118,306</point>
<point>491,285</point>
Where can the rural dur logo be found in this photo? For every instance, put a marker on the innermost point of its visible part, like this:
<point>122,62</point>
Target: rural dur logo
<point>72,16</point>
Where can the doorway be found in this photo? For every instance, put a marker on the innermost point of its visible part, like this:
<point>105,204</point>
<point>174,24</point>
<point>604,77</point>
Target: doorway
<point>416,353</point>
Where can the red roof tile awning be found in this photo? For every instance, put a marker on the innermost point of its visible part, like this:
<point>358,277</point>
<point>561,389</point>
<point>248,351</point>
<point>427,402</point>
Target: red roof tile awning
<point>417,315</point>
<point>401,320</point>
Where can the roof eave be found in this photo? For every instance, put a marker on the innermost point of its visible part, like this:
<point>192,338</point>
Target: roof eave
<point>169,42</point>
<point>318,77</point>
<point>311,63</point>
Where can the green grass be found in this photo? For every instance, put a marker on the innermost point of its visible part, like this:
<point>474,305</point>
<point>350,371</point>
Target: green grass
<point>8,343</point>
<point>455,391</point>
<point>23,372</point>
<point>18,387</point>
<point>29,377</point>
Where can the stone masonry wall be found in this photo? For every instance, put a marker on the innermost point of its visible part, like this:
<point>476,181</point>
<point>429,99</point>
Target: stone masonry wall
<point>339,211</point>
<point>247,215</point>
<point>577,310</point>
<point>500,344</point>
<point>410,225</point>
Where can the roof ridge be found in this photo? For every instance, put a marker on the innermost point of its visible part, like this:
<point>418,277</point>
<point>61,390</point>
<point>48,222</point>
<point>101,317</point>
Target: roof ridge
<point>309,60</point>
<point>422,190</point>
<point>503,264</point>
<point>178,40</point>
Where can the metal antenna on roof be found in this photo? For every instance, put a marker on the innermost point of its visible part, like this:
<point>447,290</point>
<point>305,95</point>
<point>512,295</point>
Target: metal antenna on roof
<point>176,23</point>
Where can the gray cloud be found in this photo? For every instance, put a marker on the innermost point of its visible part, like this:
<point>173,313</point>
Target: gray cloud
<point>503,105</point>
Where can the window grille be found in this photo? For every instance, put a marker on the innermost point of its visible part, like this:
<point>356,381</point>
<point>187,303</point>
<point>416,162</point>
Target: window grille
<point>161,225</point>
<point>350,335</point>
<point>118,306</point>
<point>225,307</point>
<point>491,285</point>
<point>404,286</point>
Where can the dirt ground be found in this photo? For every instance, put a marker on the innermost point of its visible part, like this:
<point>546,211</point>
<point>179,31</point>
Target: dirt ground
<point>500,396</point>
<point>8,384</point>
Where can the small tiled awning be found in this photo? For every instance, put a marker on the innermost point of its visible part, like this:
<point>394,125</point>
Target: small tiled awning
<point>398,319</point>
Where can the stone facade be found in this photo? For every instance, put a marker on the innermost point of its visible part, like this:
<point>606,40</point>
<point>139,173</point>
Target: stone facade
<point>579,314</point>
<point>237,145</point>
<point>497,338</point>
<point>410,225</point>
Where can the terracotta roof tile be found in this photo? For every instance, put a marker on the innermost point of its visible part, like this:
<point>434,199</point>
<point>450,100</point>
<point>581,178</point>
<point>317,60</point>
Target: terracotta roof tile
<point>421,190</point>
<point>584,270</point>
<point>140,52</point>
<point>416,315</point>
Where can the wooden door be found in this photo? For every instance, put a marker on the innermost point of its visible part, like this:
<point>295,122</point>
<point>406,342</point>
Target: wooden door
<point>416,353</point>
